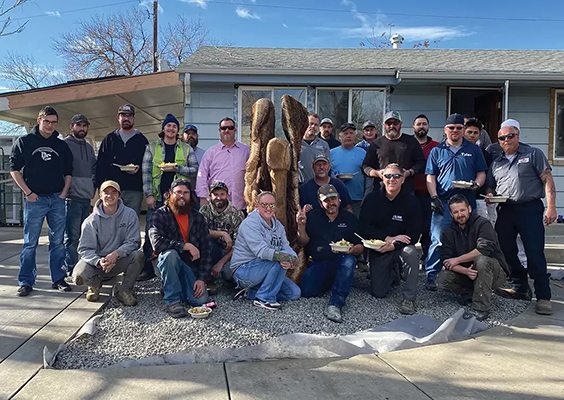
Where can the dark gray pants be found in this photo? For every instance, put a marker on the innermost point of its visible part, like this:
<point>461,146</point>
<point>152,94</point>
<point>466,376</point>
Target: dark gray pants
<point>490,277</point>
<point>385,270</point>
<point>132,199</point>
<point>131,266</point>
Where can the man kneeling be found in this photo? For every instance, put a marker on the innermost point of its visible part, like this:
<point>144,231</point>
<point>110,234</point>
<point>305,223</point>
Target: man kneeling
<point>473,261</point>
<point>261,257</point>
<point>328,270</point>
<point>179,236</point>
<point>109,245</point>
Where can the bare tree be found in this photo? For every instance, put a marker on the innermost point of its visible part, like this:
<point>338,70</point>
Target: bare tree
<point>23,72</point>
<point>5,20</point>
<point>181,39</point>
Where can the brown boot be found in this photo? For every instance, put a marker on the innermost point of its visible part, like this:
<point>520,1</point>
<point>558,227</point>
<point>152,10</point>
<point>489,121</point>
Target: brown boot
<point>126,297</point>
<point>543,307</point>
<point>93,293</point>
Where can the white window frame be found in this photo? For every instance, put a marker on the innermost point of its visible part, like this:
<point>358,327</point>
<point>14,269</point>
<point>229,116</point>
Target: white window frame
<point>349,106</point>
<point>557,160</point>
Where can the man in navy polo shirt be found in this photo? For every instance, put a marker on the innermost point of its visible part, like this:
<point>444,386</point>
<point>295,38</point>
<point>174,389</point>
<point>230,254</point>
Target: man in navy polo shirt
<point>328,270</point>
<point>455,159</point>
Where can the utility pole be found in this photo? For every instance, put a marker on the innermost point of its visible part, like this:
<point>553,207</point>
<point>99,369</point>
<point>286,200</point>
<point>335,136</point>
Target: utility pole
<point>155,31</point>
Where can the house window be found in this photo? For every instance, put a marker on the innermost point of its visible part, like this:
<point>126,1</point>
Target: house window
<point>559,125</point>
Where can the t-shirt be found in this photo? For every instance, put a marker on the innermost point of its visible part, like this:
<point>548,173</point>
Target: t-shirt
<point>126,136</point>
<point>322,231</point>
<point>183,221</point>
<point>167,177</point>
<point>308,193</point>
<point>349,161</point>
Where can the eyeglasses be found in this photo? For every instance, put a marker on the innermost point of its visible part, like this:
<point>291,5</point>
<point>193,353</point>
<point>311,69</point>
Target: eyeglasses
<point>227,128</point>
<point>46,121</point>
<point>455,128</point>
<point>181,193</point>
<point>392,123</point>
<point>394,176</point>
<point>127,116</point>
<point>268,205</point>
<point>505,137</point>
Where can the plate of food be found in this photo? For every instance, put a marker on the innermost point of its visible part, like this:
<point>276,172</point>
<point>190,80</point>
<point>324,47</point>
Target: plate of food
<point>497,199</point>
<point>342,246</point>
<point>345,177</point>
<point>461,184</point>
<point>200,312</point>
<point>373,244</point>
<point>127,168</point>
<point>167,166</point>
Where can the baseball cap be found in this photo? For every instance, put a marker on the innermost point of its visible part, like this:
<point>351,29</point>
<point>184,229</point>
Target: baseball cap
<point>511,122</point>
<point>392,114</point>
<point>126,109</point>
<point>321,157</point>
<point>326,191</point>
<point>348,125</point>
<point>368,124</point>
<point>218,185</point>
<point>181,182</point>
<point>193,127</point>
<point>326,121</point>
<point>107,184</point>
<point>79,118</point>
<point>455,119</point>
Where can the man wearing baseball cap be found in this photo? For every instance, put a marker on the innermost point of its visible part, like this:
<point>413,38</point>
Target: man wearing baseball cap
<point>368,135</point>
<point>326,133</point>
<point>191,137</point>
<point>82,189</point>
<point>123,147</point>
<point>328,270</point>
<point>109,246</point>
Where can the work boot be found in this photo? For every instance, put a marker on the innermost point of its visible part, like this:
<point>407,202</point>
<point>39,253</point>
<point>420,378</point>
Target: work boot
<point>431,285</point>
<point>543,307</point>
<point>93,293</point>
<point>407,307</point>
<point>126,297</point>
<point>479,315</point>
<point>333,313</point>
<point>513,294</point>
<point>177,310</point>
<point>24,290</point>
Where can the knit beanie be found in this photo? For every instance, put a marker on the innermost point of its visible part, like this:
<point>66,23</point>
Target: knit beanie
<point>170,118</point>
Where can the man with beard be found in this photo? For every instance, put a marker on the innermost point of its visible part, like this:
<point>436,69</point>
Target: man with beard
<point>191,137</point>
<point>312,145</point>
<point>328,270</point>
<point>82,189</point>
<point>223,222</point>
<point>473,261</point>
<point>368,136</point>
<point>180,239</point>
<point>454,159</point>
<point>392,214</point>
<point>326,133</point>
<point>420,130</point>
<point>124,146</point>
<point>224,162</point>
<point>394,148</point>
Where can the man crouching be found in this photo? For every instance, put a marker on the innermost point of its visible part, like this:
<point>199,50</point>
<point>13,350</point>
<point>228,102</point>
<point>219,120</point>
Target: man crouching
<point>109,245</point>
<point>180,239</point>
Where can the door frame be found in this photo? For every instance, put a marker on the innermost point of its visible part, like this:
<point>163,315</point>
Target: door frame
<point>492,88</point>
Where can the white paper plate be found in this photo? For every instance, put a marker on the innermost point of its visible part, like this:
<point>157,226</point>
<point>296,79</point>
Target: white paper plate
<point>373,246</point>
<point>498,199</point>
<point>340,249</point>
<point>200,315</point>
<point>461,184</point>
<point>345,177</point>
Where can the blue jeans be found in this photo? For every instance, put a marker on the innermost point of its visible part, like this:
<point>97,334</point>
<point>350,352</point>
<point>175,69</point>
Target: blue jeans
<point>336,275</point>
<point>267,280</point>
<point>77,211</point>
<point>218,252</point>
<point>178,280</point>
<point>51,207</point>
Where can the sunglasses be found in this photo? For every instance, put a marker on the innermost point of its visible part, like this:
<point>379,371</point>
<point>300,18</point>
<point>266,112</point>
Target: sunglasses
<point>394,176</point>
<point>391,123</point>
<point>268,205</point>
<point>505,137</point>
<point>227,128</point>
<point>455,128</point>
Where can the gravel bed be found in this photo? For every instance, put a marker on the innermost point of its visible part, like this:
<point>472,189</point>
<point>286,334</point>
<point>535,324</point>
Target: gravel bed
<point>129,333</point>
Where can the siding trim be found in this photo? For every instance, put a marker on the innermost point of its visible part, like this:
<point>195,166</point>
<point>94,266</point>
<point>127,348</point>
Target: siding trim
<point>552,127</point>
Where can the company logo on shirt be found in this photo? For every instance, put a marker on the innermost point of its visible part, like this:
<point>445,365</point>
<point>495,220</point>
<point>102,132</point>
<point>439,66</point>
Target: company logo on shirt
<point>45,153</point>
<point>397,218</point>
<point>122,225</point>
<point>523,160</point>
<point>342,225</point>
<point>466,154</point>
<point>276,242</point>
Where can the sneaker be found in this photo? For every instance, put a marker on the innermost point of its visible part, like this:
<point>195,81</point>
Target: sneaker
<point>333,313</point>
<point>479,315</point>
<point>176,310</point>
<point>61,286</point>
<point>264,304</point>
<point>543,307</point>
<point>126,297</point>
<point>431,285</point>
<point>93,293</point>
<point>407,307</point>
<point>513,294</point>
<point>240,293</point>
<point>276,304</point>
<point>24,290</point>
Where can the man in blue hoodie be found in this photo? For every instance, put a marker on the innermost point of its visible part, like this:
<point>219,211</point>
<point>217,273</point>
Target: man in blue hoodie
<point>82,189</point>
<point>41,165</point>
<point>262,256</point>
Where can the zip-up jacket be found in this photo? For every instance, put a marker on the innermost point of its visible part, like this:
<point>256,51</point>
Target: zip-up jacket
<point>83,168</point>
<point>45,162</point>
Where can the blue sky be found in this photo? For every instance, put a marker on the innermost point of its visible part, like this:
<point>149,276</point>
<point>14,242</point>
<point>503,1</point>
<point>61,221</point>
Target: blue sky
<point>474,24</point>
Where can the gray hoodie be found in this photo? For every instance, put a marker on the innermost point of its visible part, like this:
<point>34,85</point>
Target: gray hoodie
<point>83,168</point>
<point>258,240</point>
<point>102,234</point>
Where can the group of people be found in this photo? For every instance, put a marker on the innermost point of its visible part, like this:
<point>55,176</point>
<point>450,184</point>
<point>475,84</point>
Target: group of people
<point>395,190</point>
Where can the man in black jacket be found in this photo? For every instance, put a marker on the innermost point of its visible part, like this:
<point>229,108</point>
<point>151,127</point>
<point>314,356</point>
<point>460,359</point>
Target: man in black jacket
<point>124,146</point>
<point>393,215</point>
<point>45,181</point>
<point>180,239</point>
<point>473,260</point>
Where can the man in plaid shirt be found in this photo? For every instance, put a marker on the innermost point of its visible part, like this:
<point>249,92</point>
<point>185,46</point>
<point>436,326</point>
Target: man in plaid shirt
<point>180,239</point>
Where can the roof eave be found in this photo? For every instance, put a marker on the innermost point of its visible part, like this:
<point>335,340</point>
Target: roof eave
<point>277,71</point>
<point>481,76</point>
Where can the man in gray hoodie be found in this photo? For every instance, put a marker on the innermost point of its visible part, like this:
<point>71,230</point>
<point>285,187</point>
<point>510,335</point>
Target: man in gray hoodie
<point>109,246</point>
<point>82,188</point>
<point>262,256</point>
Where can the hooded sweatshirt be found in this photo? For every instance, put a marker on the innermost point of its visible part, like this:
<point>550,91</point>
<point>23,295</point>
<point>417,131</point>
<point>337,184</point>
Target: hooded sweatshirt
<point>83,168</point>
<point>102,233</point>
<point>258,240</point>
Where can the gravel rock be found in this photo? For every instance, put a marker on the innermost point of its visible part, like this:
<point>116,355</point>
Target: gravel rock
<point>131,333</point>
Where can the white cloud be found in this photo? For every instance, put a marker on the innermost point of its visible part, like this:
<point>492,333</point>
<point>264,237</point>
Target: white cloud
<point>53,13</point>
<point>201,3</point>
<point>284,25</point>
<point>253,1</point>
<point>148,4</point>
<point>244,13</point>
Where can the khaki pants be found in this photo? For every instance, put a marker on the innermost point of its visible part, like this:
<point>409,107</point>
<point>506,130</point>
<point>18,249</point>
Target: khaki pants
<point>131,266</point>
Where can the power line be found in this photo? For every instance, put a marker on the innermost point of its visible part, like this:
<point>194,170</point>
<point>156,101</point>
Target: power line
<point>75,10</point>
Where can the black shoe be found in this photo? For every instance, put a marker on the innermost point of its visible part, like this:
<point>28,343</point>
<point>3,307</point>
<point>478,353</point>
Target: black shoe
<point>431,285</point>
<point>24,290</point>
<point>61,286</point>
<point>479,315</point>
<point>513,294</point>
<point>145,276</point>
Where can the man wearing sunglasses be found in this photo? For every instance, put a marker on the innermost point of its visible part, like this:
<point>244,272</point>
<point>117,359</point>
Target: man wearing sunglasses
<point>224,162</point>
<point>454,159</point>
<point>394,147</point>
<point>524,175</point>
<point>392,214</point>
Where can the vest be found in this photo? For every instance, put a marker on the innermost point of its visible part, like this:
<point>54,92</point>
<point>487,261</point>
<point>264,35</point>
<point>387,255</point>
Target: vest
<point>158,158</point>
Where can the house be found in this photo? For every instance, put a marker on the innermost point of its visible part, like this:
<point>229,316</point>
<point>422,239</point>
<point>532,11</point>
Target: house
<point>354,85</point>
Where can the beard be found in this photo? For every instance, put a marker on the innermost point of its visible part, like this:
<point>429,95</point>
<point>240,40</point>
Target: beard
<point>79,134</point>
<point>126,125</point>
<point>393,133</point>
<point>220,204</point>
<point>193,142</point>
<point>420,133</point>
<point>179,207</point>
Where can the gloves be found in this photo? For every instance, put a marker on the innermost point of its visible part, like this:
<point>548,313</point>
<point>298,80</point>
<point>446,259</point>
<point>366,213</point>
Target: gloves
<point>437,205</point>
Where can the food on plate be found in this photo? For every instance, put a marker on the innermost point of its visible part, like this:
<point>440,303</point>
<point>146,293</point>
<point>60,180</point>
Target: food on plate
<point>199,310</point>
<point>343,243</point>
<point>167,165</point>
